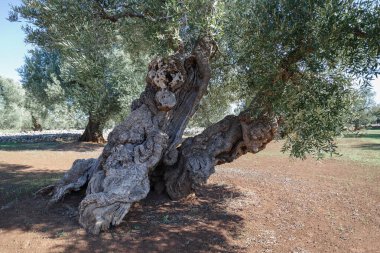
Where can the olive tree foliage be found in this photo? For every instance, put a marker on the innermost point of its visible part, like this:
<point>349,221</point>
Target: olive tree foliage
<point>46,99</point>
<point>19,110</point>
<point>12,111</point>
<point>299,60</point>
<point>51,85</point>
<point>375,112</point>
<point>294,59</point>
<point>361,110</point>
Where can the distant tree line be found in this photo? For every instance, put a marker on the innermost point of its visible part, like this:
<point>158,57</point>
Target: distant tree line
<point>20,111</point>
<point>363,111</point>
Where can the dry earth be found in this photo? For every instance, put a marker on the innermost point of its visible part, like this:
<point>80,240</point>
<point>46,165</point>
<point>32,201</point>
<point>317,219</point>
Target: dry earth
<point>259,203</point>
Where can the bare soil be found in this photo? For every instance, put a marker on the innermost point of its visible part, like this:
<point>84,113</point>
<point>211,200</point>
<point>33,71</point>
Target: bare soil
<point>259,203</point>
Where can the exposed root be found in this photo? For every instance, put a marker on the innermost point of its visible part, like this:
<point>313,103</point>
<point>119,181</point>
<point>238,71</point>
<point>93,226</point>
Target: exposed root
<point>78,175</point>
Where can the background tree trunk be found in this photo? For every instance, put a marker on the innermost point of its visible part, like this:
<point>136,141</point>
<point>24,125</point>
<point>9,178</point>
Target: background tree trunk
<point>93,131</point>
<point>36,126</point>
<point>147,150</point>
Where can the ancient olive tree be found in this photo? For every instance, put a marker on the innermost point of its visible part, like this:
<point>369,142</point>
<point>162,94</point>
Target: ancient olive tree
<point>48,102</point>
<point>292,63</point>
<point>56,83</point>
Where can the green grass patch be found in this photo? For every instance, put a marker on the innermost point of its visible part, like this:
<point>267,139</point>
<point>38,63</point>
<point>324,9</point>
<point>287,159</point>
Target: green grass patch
<point>18,185</point>
<point>12,146</point>
<point>363,147</point>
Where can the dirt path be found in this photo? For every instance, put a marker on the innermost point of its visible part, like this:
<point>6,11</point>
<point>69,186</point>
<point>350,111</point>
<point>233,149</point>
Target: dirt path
<point>263,203</point>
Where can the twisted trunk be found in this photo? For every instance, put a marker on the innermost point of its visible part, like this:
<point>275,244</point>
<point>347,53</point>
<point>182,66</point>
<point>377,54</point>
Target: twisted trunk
<point>147,150</point>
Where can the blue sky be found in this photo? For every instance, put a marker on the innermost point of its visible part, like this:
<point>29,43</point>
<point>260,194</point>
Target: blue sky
<point>12,45</point>
<point>13,48</point>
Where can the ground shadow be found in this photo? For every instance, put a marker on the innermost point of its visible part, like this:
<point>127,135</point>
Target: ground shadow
<point>368,134</point>
<point>368,146</point>
<point>17,183</point>
<point>198,224</point>
<point>51,146</point>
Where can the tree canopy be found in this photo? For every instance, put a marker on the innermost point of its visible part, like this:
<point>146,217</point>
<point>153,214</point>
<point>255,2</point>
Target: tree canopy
<point>295,61</point>
<point>12,97</point>
<point>300,59</point>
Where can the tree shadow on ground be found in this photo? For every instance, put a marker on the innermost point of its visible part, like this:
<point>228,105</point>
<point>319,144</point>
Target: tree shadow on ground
<point>16,182</point>
<point>51,146</point>
<point>156,224</point>
<point>371,134</point>
<point>368,146</point>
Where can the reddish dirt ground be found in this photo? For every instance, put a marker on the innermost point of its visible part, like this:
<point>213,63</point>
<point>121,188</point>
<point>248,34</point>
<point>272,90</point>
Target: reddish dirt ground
<point>259,203</point>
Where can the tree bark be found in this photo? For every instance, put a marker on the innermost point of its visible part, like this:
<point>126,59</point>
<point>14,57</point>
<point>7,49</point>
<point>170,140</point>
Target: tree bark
<point>93,131</point>
<point>147,152</point>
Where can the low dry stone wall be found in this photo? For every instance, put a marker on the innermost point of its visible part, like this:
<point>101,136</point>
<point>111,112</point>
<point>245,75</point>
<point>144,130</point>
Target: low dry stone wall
<point>41,136</point>
<point>62,135</point>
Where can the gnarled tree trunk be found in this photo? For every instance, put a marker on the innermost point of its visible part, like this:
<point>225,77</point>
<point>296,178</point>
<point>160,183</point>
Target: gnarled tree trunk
<point>93,131</point>
<point>147,150</point>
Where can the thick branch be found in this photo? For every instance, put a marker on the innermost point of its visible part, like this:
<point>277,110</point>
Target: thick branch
<point>220,143</point>
<point>360,34</point>
<point>285,72</point>
<point>114,18</point>
<point>296,55</point>
<point>198,67</point>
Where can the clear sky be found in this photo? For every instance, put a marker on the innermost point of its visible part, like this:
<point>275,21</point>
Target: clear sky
<point>13,48</point>
<point>12,45</point>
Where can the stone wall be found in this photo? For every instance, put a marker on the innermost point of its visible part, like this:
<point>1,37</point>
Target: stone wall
<point>41,136</point>
<point>62,135</point>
